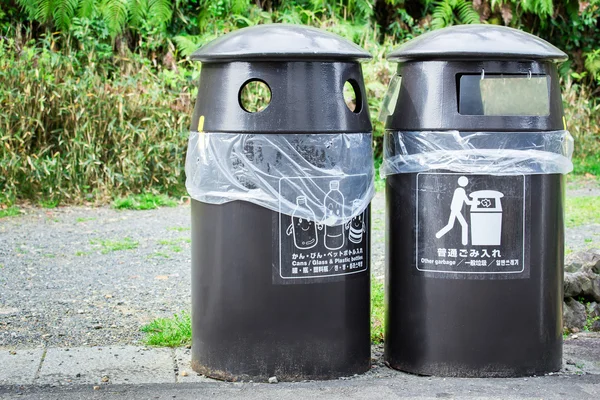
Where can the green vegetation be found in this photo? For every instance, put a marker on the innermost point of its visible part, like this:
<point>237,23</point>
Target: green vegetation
<point>97,94</point>
<point>169,332</point>
<point>160,254</point>
<point>582,210</point>
<point>52,203</point>
<point>9,212</point>
<point>108,246</point>
<point>85,219</point>
<point>179,228</point>
<point>377,311</point>
<point>174,244</point>
<point>82,253</point>
<point>146,201</point>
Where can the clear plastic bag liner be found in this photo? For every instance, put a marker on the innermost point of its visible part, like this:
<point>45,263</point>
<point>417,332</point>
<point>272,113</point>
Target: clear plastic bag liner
<point>327,178</point>
<point>493,153</point>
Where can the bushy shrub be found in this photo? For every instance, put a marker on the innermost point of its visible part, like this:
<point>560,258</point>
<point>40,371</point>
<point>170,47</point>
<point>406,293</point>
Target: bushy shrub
<point>69,132</point>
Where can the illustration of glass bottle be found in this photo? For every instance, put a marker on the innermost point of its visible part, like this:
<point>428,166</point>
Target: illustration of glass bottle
<point>334,211</point>
<point>304,230</point>
<point>357,225</point>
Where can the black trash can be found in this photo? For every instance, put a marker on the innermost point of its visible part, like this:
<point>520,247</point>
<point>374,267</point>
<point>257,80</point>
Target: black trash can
<point>475,150</point>
<point>280,275</point>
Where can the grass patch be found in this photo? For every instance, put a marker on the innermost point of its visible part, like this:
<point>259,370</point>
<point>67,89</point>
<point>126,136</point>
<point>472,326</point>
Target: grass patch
<point>377,311</point>
<point>82,253</point>
<point>145,201</point>
<point>582,210</point>
<point>169,332</point>
<point>83,219</point>
<point>587,165</point>
<point>379,183</point>
<point>174,244</point>
<point>160,254</point>
<point>51,203</point>
<point>109,246</point>
<point>11,211</point>
<point>179,229</point>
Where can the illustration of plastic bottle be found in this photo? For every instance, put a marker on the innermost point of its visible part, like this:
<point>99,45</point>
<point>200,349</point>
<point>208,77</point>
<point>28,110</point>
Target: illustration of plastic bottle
<point>334,211</point>
<point>357,225</point>
<point>304,230</point>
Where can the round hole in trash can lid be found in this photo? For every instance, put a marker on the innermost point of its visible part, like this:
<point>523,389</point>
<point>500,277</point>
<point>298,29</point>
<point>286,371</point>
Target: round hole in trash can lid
<point>254,96</point>
<point>352,96</point>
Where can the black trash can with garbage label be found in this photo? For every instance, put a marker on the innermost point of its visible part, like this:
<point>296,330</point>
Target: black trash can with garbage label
<point>475,152</point>
<point>280,274</point>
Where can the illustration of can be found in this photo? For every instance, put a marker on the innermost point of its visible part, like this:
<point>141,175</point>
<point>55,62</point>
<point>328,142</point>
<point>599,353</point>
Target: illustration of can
<point>304,230</point>
<point>486,218</point>
<point>357,226</point>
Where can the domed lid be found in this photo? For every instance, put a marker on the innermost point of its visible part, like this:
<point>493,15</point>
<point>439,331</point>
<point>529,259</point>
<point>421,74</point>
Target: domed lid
<point>279,42</point>
<point>477,41</point>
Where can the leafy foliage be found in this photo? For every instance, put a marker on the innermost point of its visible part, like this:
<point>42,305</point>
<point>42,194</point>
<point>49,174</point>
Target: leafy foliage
<point>450,12</point>
<point>117,14</point>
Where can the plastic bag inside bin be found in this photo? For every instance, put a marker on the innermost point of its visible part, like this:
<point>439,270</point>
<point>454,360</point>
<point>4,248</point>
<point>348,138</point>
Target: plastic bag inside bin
<point>491,153</point>
<point>328,178</point>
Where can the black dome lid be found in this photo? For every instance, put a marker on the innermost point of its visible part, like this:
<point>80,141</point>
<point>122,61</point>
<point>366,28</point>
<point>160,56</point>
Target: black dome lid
<point>477,41</point>
<point>279,42</point>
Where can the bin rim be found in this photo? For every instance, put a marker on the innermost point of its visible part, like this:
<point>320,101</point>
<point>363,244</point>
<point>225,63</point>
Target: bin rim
<point>477,42</point>
<point>280,42</point>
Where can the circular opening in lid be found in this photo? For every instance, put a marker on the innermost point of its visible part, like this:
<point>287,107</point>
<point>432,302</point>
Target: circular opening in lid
<point>255,96</point>
<point>352,96</point>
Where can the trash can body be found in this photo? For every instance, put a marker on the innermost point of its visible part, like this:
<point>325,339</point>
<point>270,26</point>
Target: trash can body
<point>277,287</point>
<point>247,328</point>
<point>474,205</point>
<point>475,328</point>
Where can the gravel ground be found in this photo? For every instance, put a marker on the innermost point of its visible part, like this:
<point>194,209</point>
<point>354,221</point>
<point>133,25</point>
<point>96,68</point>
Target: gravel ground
<point>61,286</point>
<point>585,236</point>
<point>57,287</point>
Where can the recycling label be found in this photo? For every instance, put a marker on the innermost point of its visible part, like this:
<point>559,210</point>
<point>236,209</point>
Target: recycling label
<point>309,250</point>
<point>471,226</point>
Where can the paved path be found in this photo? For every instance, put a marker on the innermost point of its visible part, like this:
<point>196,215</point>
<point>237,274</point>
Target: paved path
<point>140,373</point>
<point>405,387</point>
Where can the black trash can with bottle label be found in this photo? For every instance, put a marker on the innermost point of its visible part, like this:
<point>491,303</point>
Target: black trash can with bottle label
<point>475,151</point>
<point>280,274</point>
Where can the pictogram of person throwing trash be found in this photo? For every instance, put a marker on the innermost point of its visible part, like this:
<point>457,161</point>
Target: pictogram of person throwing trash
<point>459,199</point>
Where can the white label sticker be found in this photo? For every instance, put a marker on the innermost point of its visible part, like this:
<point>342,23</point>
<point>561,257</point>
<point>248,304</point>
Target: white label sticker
<point>470,224</point>
<point>313,248</point>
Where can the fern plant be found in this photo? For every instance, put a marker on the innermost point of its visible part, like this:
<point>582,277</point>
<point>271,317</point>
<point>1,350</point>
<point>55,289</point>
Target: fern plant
<point>117,14</point>
<point>450,12</point>
<point>541,8</point>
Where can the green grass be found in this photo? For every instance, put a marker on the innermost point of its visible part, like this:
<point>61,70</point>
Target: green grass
<point>582,210</point>
<point>177,331</point>
<point>108,246</point>
<point>145,201</point>
<point>377,311</point>
<point>82,253</point>
<point>50,203</point>
<point>174,244</point>
<point>83,219</point>
<point>587,165</point>
<point>11,211</point>
<point>169,332</point>
<point>179,228</point>
<point>379,183</point>
<point>160,254</point>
